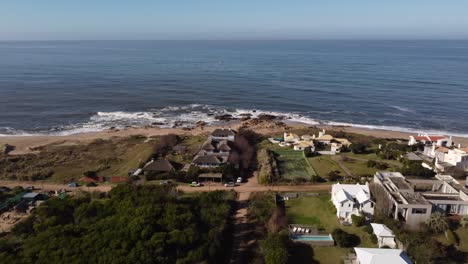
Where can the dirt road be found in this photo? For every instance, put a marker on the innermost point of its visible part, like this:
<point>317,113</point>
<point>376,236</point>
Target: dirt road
<point>248,187</point>
<point>50,186</point>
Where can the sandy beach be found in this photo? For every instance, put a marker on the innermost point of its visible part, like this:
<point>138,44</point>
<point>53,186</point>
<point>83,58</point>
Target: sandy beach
<point>24,144</point>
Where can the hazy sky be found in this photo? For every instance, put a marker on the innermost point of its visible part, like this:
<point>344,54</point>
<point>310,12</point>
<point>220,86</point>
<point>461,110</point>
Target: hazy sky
<point>234,19</point>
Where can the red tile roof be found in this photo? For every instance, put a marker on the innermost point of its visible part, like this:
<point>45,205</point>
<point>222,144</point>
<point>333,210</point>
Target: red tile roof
<point>429,138</point>
<point>118,179</point>
<point>89,179</point>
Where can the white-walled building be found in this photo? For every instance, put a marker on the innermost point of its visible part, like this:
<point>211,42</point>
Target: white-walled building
<point>385,236</point>
<point>352,199</point>
<point>380,256</point>
<point>414,200</point>
<point>430,139</point>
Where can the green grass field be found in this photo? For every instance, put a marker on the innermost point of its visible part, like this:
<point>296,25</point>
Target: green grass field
<point>293,164</point>
<point>324,165</point>
<point>319,211</point>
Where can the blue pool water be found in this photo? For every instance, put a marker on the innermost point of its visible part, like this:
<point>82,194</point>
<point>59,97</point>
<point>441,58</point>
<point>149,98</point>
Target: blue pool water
<point>311,238</point>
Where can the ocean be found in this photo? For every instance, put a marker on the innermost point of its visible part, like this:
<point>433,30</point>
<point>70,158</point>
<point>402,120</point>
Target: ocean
<point>66,87</point>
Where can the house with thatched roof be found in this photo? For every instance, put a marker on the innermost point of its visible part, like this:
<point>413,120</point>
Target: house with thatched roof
<point>223,134</point>
<point>158,166</point>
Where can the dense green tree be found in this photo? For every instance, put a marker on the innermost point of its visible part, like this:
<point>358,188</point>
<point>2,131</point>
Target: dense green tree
<point>134,224</point>
<point>275,248</point>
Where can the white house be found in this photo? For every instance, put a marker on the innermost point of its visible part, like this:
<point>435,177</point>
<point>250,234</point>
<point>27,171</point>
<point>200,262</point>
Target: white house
<point>385,236</point>
<point>352,199</point>
<point>457,157</point>
<point>291,137</point>
<point>380,256</point>
<point>302,145</point>
<point>430,139</point>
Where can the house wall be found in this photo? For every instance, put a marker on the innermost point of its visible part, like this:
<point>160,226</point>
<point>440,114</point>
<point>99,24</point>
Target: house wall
<point>386,241</point>
<point>368,209</point>
<point>344,210</point>
<point>229,138</point>
<point>414,215</point>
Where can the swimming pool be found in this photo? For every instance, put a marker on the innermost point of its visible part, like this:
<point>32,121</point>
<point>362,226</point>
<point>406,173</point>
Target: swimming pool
<point>311,238</point>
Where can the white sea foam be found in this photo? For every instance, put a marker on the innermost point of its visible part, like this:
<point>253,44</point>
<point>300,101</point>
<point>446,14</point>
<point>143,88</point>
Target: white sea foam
<point>187,116</point>
<point>402,109</point>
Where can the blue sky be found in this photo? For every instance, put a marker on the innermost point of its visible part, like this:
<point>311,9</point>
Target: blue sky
<point>235,19</point>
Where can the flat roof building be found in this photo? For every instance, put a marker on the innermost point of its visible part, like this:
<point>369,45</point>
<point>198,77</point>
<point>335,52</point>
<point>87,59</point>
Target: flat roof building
<point>414,200</point>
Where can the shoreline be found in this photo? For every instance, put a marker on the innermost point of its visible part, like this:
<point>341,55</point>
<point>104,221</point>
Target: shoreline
<point>24,144</point>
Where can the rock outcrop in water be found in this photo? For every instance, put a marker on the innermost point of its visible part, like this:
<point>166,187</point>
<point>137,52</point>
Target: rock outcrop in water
<point>225,117</point>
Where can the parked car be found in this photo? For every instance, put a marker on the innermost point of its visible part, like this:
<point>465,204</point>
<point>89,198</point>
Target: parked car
<point>230,184</point>
<point>91,184</point>
<point>195,184</point>
<point>239,180</point>
<point>73,184</point>
<point>165,182</point>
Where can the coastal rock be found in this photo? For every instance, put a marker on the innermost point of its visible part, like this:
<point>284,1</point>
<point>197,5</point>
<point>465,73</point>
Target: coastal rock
<point>7,149</point>
<point>245,118</point>
<point>267,117</point>
<point>225,117</point>
<point>200,123</point>
<point>246,115</point>
<point>157,124</point>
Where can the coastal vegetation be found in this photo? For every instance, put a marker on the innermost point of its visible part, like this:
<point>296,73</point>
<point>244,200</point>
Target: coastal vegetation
<point>66,162</point>
<point>130,224</point>
<point>269,220</point>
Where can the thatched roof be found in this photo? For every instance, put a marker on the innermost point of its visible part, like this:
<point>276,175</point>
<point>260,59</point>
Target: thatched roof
<point>159,166</point>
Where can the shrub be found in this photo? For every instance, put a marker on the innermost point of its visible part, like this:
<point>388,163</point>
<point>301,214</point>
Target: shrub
<point>333,175</point>
<point>373,239</point>
<point>90,174</point>
<point>344,239</point>
<point>368,229</point>
<point>358,148</point>
<point>358,220</point>
<point>371,163</point>
<point>381,166</point>
<point>268,171</point>
<point>315,179</point>
<point>451,237</point>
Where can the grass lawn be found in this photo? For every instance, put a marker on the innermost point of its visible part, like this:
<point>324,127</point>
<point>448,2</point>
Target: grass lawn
<point>359,167</point>
<point>373,156</point>
<point>323,165</point>
<point>462,234</point>
<point>319,211</point>
<point>293,164</point>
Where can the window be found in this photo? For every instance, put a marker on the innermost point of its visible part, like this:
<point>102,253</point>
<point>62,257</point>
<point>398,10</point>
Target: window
<point>371,205</point>
<point>418,211</point>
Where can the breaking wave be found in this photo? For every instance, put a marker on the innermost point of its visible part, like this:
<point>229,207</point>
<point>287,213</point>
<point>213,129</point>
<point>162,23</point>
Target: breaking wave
<point>188,116</point>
